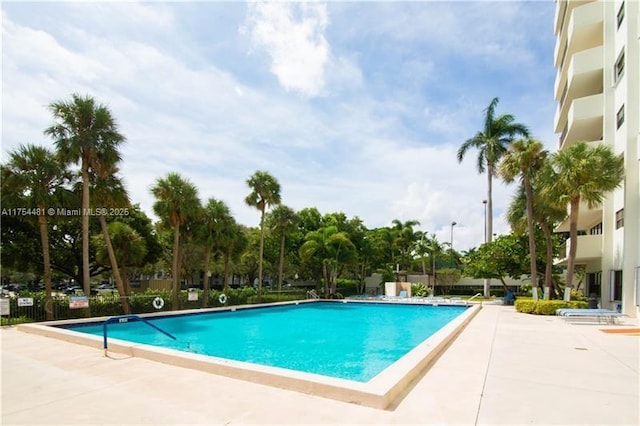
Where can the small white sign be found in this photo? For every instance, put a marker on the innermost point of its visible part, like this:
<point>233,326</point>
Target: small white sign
<point>78,302</point>
<point>192,295</point>
<point>25,301</point>
<point>4,306</point>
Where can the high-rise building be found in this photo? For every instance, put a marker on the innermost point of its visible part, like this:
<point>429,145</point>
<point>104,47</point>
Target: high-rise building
<point>598,92</point>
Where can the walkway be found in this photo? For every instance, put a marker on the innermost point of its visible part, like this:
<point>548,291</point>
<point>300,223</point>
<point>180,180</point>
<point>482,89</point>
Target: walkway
<point>504,368</point>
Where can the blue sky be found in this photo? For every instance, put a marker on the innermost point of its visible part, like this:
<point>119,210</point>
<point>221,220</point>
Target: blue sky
<point>357,107</point>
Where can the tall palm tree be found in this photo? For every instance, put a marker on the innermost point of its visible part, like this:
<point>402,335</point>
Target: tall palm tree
<point>547,213</point>
<point>233,243</point>
<point>265,191</point>
<point>524,158</point>
<point>213,220</point>
<point>82,129</point>
<point>282,221</point>
<point>492,141</point>
<point>176,203</point>
<point>109,191</point>
<point>35,172</point>
<point>129,249</point>
<point>580,173</point>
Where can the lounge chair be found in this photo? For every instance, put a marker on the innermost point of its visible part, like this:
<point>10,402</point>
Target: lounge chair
<point>608,315</point>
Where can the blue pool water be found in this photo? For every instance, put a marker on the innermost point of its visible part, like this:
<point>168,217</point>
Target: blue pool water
<point>353,341</point>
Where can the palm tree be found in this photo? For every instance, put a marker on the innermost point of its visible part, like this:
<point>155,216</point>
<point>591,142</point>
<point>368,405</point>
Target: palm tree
<point>547,213</point>
<point>176,203</point>
<point>404,238</point>
<point>129,249</point>
<point>35,171</point>
<point>330,246</point>
<point>109,191</point>
<point>265,191</point>
<point>282,221</point>
<point>81,131</point>
<point>580,173</point>
<point>213,220</point>
<point>232,244</point>
<point>492,142</point>
<point>525,158</point>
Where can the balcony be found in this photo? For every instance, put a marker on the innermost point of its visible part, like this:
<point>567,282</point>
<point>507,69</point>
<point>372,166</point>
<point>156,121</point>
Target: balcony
<point>587,218</point>
<point>583,119</point>
<point>589,248</point>
<point>582,76</point>
<point>582,31</point>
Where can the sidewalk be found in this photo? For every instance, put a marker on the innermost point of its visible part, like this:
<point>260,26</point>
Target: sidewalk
<point>504,368</point>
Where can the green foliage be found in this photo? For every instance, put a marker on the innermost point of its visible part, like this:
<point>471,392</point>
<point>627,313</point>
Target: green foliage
<point>506,256</point>
<point>546,307</point>
<point>419,290</point>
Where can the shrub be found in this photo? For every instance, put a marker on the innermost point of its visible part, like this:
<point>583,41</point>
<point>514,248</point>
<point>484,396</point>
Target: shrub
<point>546,307</point>
<point>419,290</point>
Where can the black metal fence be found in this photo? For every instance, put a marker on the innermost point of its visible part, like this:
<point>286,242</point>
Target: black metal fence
<point>34,307</point>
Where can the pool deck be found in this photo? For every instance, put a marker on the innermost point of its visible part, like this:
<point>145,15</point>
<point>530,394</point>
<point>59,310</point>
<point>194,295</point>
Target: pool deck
<point>504,368</point>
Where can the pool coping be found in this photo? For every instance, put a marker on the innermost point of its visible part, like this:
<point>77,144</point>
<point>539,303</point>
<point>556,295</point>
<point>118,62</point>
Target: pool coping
<point>378,393</point>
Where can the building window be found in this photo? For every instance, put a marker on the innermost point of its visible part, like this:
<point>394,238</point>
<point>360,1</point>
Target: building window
<point>620,117</point>
<point>619,218</point>
<point>594,283</point>
<point>616,286</point>
<point>618,70</point>
<point>620,15</point>
<point>596,230</point>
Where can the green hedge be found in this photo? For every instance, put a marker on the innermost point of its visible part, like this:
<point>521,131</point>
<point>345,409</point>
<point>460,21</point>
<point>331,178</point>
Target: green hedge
<point>546,307</point>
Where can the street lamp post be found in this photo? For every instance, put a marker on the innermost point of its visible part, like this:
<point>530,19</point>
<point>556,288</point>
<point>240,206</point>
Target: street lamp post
<point>486,283</point>
<point>451,242</point>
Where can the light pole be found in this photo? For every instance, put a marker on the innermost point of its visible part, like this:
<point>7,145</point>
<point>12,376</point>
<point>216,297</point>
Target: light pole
<point>452,225</point>
<point>485,220</point>
<point>486,284</point>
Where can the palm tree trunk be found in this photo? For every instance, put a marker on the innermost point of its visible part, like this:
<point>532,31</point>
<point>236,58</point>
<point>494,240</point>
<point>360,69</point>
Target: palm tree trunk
<point>281,264</point>
<point>44,238</point>
<point>86,277</point>
<point>261,254</point>
<point>326,277</point>
<point>205,293</point>
<point>114,266</point>
<point>548,271</point>
<point>225,280</point>
<point>175,300</point>
<point>489,236</point>
<point>573,246</point>
<point>532,237</point>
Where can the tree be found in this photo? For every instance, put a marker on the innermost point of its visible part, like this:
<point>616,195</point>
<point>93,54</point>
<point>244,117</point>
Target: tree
<point>265,191</point>
<point>109,191</point>
<point>498,132</point>
<point>82,130</point>
<point>330,247</point>
<point>35,175</point>
<point>504,257</point>
<point>547,213</point>
<point>282,221</point>
<point>214,219</point>
<point>580,173</point>
<point>403,240</point>
<point>129,249</point>
<point>525,158</point>
<point>176,203</point>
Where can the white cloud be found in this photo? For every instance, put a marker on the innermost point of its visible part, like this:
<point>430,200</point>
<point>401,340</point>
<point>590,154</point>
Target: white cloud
<point>368,138</point>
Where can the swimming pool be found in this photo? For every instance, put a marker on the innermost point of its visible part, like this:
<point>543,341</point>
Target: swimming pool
<point>397,347</point>
<point>352,341</point>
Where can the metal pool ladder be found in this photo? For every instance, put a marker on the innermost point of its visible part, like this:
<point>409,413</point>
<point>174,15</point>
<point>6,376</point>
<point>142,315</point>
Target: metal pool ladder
<point>313,294</point>
<point>126,318</point>
<point>474,296</point>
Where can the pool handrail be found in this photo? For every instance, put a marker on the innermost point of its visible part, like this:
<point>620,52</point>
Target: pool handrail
<point>126,318</point>
<point>474,296</point>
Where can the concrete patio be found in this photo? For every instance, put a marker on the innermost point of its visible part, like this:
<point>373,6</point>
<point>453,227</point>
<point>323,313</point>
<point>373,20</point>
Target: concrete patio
<point>504,368</point>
